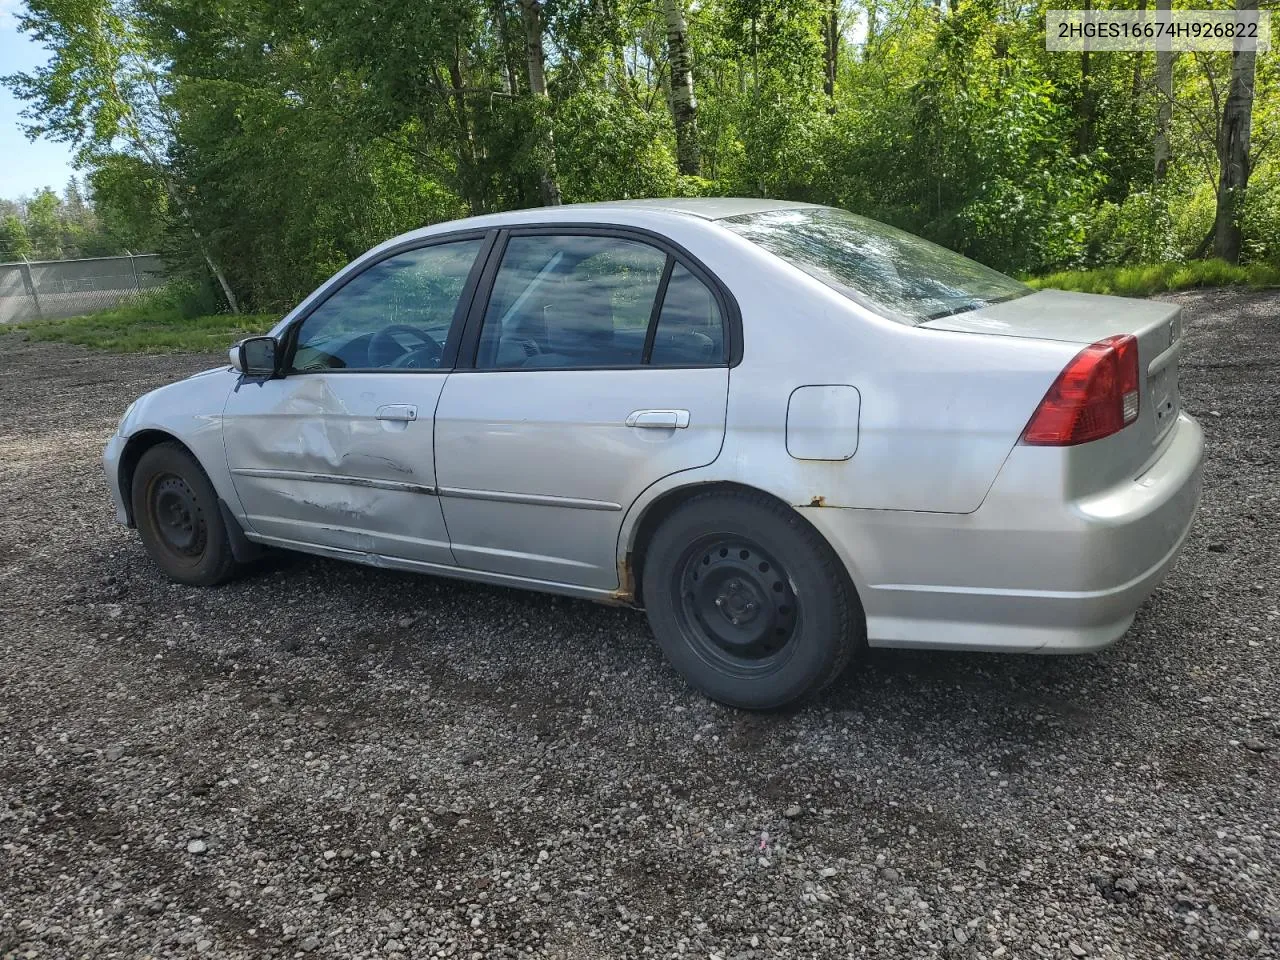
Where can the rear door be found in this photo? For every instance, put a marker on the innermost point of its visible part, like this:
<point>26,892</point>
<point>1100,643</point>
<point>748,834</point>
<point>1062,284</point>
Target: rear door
<point>338,452</point>
<point>596,364</point>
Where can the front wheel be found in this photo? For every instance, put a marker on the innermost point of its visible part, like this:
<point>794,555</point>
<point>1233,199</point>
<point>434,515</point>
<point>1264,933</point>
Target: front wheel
<point>176,511</point>
<point>748,602</point>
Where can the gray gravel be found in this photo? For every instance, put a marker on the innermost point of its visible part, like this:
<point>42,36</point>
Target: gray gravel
<point>324,760</point>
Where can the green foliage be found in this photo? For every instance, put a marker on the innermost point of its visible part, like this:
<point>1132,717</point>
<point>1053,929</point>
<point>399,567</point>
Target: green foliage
<point>1193,218</point>
<point>48,227</point>
<point>274,143</point>
<point>1147,279</point>
<point>1138,229</point>
<point>86,95</point>
<point>611,149</point>
<point>44,226</point>
<point>1261,220</point>
<point>15,241</point>
<point>130,201</point>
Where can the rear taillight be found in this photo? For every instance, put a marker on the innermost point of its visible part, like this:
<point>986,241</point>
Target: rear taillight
<point>1094,397</point>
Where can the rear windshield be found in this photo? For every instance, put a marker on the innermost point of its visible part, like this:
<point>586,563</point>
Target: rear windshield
<point>887,270</point>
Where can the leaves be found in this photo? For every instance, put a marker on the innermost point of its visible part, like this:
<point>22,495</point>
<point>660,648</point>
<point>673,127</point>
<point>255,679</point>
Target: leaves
<point>279,141</point>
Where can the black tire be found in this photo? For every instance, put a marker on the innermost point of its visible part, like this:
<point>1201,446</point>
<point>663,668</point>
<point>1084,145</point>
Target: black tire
<point>176,511</point>
<point>748,602</point>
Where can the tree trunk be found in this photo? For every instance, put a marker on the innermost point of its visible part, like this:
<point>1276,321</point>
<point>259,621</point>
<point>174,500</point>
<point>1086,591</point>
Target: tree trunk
<point>1164,105</point>
<point>544,135</point>
<point>498,13</point>
<point>684,105</point>
<point>469,173</point>
<point>831,50</point>
<point>755,61</point>
<point>869,44</point>
<point>1137,61</point>
<point>1233,149</point>
<point>1084,132</point>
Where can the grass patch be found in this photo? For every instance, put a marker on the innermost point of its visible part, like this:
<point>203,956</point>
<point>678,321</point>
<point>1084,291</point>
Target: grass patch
<point>155,326</point>
<point>1144,280</point>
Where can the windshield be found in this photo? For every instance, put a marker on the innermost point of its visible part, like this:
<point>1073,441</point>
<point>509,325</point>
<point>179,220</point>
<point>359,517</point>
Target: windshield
<point>887,270</point>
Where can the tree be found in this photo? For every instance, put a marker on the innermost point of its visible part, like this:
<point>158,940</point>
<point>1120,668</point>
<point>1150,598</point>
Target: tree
<point>544,134</point>
<point>44,225</point>
<point>100,86</point>
<point>1234,131</point>
<point>296,136</point>
<point>831,50</point>
<point>129,201</point>
<point>684,105</point>
<point>15,242</point>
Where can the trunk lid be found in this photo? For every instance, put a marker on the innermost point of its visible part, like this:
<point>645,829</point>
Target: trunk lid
<point>1086,318</point>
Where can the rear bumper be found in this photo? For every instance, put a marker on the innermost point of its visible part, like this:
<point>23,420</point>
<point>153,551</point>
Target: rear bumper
<point>1024,572</point>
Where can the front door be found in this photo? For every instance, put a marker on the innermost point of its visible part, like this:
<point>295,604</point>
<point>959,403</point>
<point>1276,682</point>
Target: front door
<point>338,452</point>
<point>600,366</point>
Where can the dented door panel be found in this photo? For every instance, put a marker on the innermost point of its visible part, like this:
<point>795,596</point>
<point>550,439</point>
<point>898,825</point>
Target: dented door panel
<point>315,458</point>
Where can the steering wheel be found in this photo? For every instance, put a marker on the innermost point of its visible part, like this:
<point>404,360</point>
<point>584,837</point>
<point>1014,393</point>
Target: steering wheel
<point>386,351</point>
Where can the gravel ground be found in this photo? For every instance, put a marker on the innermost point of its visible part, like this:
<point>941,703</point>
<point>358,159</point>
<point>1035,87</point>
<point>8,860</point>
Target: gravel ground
<point>324,760</point>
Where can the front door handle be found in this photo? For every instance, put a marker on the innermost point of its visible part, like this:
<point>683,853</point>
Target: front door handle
<point>398,411</point>
<point>659,419</point>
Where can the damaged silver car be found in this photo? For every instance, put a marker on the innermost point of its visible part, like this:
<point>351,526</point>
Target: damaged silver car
<point>783,430</point>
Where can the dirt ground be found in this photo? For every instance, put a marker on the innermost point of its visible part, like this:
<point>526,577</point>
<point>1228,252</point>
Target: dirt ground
<point>325,760</point>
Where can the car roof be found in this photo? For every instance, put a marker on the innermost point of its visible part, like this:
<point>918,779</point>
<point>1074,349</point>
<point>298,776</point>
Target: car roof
<point>622,212</point>
<point>706,208</point>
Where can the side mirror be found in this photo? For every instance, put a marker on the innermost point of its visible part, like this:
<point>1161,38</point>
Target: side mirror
<point>256,356</point>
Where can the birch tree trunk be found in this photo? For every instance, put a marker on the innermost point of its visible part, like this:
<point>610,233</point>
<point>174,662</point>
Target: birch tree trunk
<point>1164,106</point>
<point>545,145</point>
<point>1233,149</point>
<point>684,105</point>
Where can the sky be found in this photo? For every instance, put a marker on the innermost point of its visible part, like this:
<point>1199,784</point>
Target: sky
<point>25,167</point>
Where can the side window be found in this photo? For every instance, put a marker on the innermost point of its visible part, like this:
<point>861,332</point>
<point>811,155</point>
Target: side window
<point>690,330</point>
<point>394,315</point>
<point>570,301</point>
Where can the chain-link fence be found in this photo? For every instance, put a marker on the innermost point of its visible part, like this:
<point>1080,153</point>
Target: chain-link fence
<point>47,289</point>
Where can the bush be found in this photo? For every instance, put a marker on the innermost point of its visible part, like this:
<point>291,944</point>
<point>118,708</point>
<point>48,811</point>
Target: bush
<point>1139,229</point>
<point>1260,221</point>
<point>1026,226</point>
<point>1192,218</point>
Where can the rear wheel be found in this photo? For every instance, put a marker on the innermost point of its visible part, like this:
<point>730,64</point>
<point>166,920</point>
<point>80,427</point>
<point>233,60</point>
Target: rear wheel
<point>176,511</point>
<point>748,602</point>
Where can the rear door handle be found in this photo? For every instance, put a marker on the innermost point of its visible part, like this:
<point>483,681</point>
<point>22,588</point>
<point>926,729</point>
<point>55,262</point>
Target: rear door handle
<point>659,419</point>
<point>398,411</point>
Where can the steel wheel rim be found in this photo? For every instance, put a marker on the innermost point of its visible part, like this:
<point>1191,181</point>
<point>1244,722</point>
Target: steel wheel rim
<point>177,518</point>
<point>737,605</point>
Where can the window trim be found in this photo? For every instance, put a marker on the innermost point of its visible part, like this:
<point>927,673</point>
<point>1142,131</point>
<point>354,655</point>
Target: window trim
<point>448,359</point>
<point>730,316</point>
<point>655,317</point>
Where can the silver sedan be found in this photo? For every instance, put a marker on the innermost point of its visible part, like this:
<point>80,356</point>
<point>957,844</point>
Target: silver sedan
<point>783,430</point>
